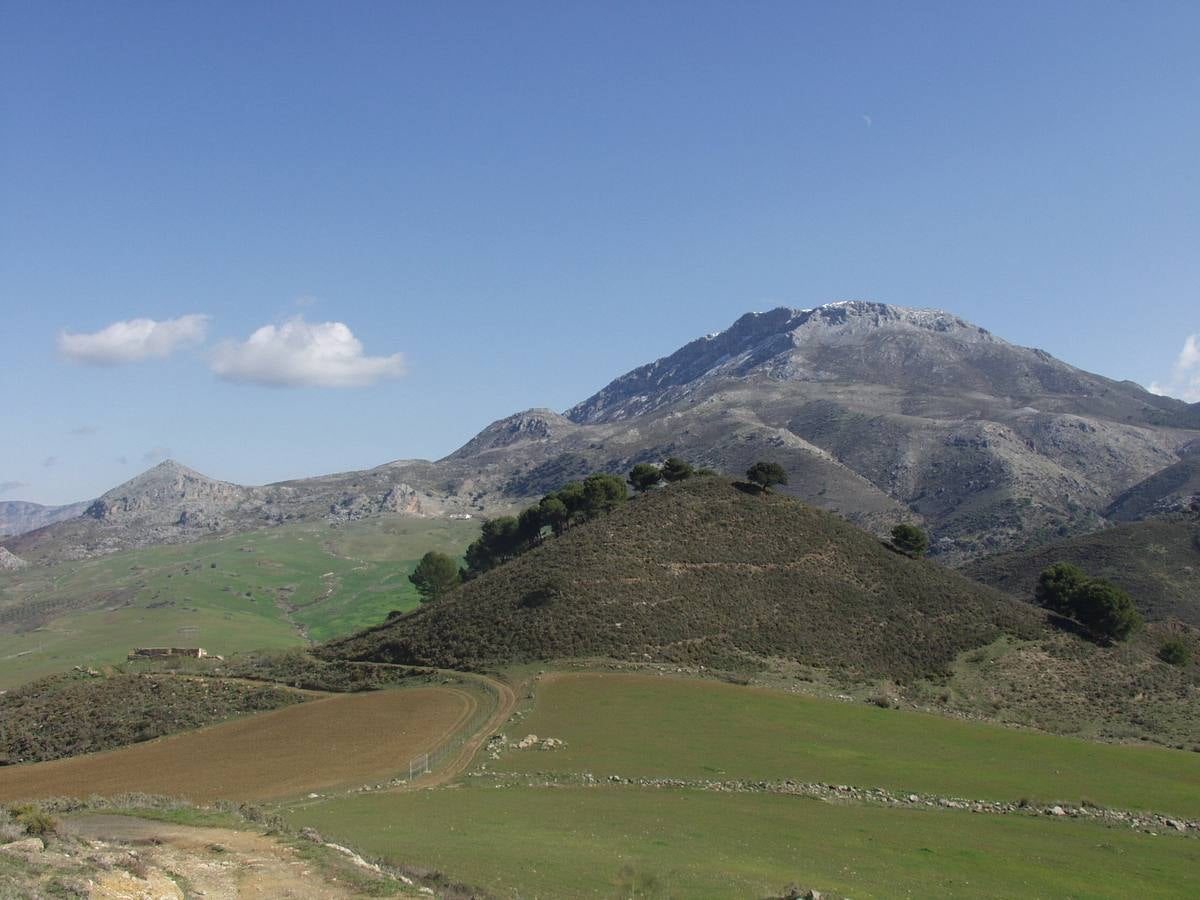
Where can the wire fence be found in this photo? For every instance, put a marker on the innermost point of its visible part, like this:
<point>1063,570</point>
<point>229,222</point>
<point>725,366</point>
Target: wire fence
<point>451,744</point>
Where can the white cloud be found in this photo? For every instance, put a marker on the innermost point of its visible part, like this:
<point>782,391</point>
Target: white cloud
<point>297,353</point>
<point>134,340</point>
<point>50,462</point>
<point>7,486</point>
<point>1184,382</point>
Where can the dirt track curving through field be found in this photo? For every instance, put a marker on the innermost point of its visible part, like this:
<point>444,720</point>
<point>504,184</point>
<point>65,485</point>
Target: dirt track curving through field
<point>332,743</point>
<point>506,703</point>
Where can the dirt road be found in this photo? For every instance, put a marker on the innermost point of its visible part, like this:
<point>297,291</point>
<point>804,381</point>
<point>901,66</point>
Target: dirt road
<point>181,860</point>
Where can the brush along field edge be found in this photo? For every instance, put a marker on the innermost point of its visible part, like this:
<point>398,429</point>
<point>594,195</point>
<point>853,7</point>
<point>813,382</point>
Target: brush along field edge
<point>324,744</point>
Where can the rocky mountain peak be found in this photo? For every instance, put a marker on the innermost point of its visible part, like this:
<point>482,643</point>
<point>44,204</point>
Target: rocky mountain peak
<point>169,493</point>
<point>779,342</point>
<point>532,425</point>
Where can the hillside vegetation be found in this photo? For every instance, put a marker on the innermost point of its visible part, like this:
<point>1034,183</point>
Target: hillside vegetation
<point>706,573</point>
<point>66,715</point>
<point>1157,561</point>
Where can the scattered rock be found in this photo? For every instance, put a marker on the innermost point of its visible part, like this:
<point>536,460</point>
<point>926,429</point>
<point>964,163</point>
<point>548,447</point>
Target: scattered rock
<point>10,562</point>
<point>27,845</point>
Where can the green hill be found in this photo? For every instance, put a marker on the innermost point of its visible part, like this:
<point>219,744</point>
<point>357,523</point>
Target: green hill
<point>703,573</point>
<point>1157,561</point>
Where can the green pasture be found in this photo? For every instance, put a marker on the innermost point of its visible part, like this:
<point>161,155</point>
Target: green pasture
<point>634,725</point>
<point>102,637</point>
<point>240,592</point>
<point>623,841</point>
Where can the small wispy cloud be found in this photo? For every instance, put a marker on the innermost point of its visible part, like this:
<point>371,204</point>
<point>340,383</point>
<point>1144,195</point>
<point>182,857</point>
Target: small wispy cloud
<point>1184,381</point>
<point>7,487</point>
<point>156,454</point>
<point>49,462</point>
<point>299,353</point>
<point>867,120</point>
<point>123,460</point>
<point>134,340</point>
<point>84,431</point>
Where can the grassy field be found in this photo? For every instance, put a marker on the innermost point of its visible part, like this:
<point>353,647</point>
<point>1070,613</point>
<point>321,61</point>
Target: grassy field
<point>635,725</point>
<point>263,589</point>
<point>605,842</point>
<point>531,834</point>
<point>323,744</point>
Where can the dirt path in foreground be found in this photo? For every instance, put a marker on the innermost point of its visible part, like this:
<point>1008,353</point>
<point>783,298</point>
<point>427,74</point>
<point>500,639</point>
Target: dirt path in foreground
<point>216,863</point>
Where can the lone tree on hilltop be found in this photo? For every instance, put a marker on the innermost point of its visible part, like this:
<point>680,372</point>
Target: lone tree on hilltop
<point>765,474</point>
<point>436,574</point>
<point>910,540</point>
<point>676,469</point>
<point>1096,603</point>
<point>644,476</point>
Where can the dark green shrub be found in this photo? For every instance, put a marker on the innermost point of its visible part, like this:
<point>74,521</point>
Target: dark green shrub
<point>1056,584</point>
<point>910,539</point>
<point>1175,652</point>
<point>644,476</point>
<point>766,474</point>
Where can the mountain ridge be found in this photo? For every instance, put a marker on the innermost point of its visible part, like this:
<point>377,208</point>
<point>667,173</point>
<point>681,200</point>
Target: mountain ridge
<point>880,413</point>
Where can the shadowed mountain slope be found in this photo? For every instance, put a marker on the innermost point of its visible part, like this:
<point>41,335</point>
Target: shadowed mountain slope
<point>1157,561</point>
<point>1173,489</point>
<point>705,573</point>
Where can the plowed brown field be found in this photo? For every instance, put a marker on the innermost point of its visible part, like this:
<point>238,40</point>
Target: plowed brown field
<point>337,741</point>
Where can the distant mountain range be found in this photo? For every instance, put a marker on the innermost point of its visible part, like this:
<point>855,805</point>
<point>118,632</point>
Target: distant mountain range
<point>880,413</point>
<point>17,516</point>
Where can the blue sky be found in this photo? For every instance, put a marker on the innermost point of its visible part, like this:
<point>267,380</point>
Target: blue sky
<point>526,200</point>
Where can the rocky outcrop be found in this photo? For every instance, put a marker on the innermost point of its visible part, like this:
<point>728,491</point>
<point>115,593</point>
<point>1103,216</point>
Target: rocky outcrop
<point>9,562</point>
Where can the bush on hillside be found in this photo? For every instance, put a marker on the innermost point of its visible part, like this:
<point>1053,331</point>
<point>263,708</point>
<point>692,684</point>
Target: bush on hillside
<point>766,474</point>
<point>911,540</point>
<point>1175,652</point>
<point>1096,603</point>
<point>1056,584</point>
<point>644,476</point>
